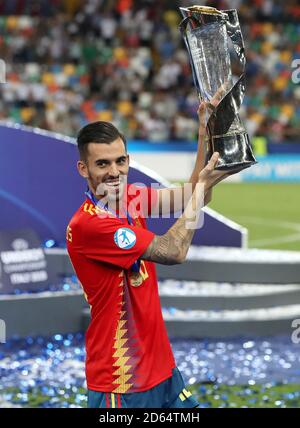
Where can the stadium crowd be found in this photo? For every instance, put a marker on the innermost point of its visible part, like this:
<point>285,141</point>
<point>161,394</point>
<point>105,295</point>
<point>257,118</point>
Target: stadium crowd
<point>70,62</point>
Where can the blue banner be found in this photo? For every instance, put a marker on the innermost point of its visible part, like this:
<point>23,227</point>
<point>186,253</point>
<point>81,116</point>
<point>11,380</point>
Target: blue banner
<point>274,168</point>
<point>23,265</point>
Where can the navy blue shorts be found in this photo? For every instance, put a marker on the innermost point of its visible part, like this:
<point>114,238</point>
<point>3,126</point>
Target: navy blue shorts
<point>170,394</point>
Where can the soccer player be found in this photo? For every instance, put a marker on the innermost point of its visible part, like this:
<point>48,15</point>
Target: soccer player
<point>129,360</point>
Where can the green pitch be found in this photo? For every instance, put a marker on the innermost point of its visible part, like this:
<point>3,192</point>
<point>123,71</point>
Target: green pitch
<point>270,212</point>
<point>209,395</point>
<point>237,396</point>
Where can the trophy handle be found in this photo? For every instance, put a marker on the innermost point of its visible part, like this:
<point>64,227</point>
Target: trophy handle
<point>228,108</point>
<point>235,34</point>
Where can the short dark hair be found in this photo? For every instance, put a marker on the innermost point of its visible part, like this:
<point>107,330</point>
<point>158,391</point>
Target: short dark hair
<point>97,132</point>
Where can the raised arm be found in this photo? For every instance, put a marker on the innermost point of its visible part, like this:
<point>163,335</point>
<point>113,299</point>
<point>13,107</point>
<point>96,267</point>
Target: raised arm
<point>201,151</point>
<point>176,195</point>
<point>172,247</point>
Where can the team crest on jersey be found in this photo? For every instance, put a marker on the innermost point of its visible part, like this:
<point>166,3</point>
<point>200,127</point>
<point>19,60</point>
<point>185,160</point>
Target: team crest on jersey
<point>125,238</point>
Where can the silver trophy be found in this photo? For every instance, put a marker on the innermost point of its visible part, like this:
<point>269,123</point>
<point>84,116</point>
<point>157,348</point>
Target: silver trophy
<point>207,33</point>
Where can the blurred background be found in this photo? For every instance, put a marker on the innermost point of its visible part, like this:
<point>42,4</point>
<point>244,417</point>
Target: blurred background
<point>233,310</point>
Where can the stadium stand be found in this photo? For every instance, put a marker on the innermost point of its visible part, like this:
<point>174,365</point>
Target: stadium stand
<point>124,61</point>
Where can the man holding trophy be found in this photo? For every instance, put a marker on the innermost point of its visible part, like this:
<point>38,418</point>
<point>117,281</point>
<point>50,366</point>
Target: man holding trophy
<point>129,361</point>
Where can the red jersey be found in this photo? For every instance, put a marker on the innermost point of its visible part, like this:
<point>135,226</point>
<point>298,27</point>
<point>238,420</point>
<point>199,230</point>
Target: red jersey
<point>127,345</point>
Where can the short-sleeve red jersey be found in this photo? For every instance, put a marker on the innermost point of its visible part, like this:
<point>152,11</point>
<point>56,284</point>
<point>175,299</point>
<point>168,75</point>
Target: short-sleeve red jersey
<point>127,345</point>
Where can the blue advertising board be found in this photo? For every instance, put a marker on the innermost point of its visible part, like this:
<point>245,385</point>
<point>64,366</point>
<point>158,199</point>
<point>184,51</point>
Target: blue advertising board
<point>274,168</point>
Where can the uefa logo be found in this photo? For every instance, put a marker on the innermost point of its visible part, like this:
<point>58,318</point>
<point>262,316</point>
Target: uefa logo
<point>125,238</point>
<point>2,71</point>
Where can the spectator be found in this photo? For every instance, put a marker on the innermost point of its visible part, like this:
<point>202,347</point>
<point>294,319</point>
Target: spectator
<point>69,63</point>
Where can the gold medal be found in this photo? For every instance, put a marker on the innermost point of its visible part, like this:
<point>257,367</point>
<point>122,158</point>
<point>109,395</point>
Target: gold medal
<point>136,279</point>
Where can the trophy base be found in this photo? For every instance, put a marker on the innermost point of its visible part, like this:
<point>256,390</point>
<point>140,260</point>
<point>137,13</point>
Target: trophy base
<point>235,152</point>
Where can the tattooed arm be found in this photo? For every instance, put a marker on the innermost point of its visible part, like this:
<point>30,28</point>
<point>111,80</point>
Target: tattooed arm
<point>172,247</point>
<point>174,197</point>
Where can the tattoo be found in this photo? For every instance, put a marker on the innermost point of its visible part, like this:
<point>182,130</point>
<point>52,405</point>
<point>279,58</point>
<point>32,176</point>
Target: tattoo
<point>170,248</point>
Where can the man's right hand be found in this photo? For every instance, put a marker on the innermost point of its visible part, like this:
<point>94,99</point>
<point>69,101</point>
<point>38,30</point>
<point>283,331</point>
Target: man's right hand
<point>210,176</point>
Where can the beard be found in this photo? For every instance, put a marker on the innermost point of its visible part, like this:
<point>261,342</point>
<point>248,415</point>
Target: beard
<point>111,191</point>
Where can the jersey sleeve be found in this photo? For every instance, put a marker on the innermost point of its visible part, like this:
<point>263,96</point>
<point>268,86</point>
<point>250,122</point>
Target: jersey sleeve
<point>111,241</point>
